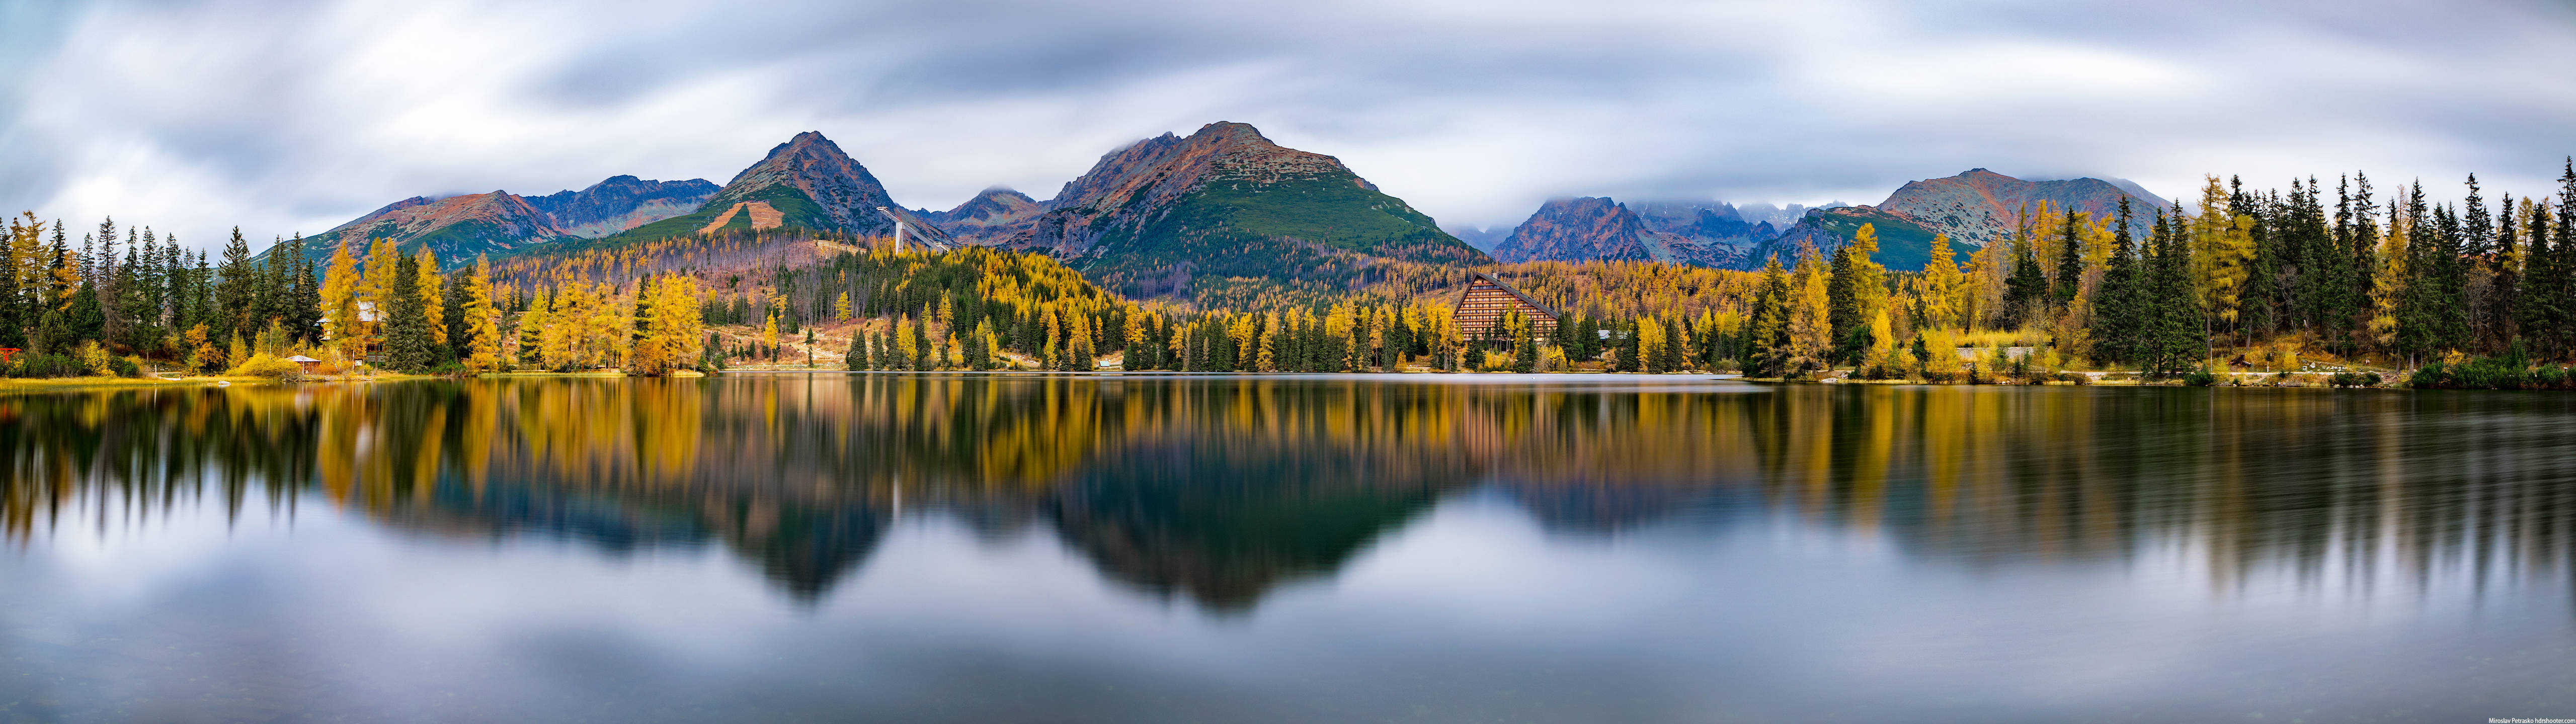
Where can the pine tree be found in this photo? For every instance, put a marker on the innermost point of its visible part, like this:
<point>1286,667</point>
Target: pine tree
<point>409,346</point>
<point>2172,342</point>
<point>1767,344</point>
<point>532,331</point>
<point>2026,291</point>
<point>1843,304</point>
<point>857,356</point>
<point>303,309</point>
<point>2070,258</point>
<point>235,289</point>
<point>2118,310</point>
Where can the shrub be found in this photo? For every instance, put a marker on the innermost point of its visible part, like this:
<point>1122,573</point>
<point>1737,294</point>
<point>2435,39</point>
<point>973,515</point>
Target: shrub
<point>2549,377</point>
<point>40,366</point>
<point>264,364</point>
<point>125,367</point>
<point>2199,379</point>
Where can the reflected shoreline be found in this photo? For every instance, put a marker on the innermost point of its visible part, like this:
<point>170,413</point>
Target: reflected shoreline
<point>1219,489</point>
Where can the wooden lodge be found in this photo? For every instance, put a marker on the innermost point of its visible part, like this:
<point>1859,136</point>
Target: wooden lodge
<point>1488,300</point>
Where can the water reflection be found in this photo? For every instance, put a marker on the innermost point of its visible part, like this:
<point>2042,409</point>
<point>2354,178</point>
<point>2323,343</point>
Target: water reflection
<point>1220,491</point>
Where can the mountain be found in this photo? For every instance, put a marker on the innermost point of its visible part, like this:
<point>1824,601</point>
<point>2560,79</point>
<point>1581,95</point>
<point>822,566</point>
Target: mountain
<point>806,183</point>
<point>1577,230</point>
<point>1588,229</point>
<point>1485,239</point>
<point>457,228</point>
<point>1703,234</point>
<point>992,217</point>
<point>621,202</point>
<point>1904,243</point>
<point>1975,207</point>
<point>1780,217</point>
<point>1978,205</point>
<point>1226,202</point>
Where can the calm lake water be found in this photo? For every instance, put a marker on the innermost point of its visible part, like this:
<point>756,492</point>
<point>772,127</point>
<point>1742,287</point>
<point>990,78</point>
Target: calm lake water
<point>1415,548</point>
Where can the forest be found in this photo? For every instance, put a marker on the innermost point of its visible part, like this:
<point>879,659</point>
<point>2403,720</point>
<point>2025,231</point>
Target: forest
<point>2284,281</point>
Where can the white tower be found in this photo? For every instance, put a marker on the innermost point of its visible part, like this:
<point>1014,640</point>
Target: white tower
<point>898,228</point>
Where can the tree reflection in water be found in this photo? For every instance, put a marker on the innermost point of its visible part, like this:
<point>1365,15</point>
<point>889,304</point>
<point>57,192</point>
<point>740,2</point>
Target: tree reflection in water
<point>1220,489</point>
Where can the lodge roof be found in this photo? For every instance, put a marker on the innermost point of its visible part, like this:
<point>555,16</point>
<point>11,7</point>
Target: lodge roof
<point>1508,288</point>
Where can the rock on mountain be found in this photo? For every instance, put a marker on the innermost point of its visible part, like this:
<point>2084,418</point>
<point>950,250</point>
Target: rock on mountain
<point>1588,229</point>
<point>1978,206</point>
<point>806,183</point>
<point>1227,202</point>
<point>1704,233</point>
<point>1577,230</point>
<point>621,202</point>
<point>456,228</point>
<point>993,216</point>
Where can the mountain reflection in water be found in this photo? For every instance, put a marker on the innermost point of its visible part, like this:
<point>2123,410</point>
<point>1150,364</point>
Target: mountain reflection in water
<point>1221,489</point>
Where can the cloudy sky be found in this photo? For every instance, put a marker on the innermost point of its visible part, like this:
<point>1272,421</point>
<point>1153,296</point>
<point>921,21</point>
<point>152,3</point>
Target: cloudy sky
<point>285,117</point>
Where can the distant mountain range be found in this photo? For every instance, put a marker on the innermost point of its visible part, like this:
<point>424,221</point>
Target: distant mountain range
<point>1166,215</point>
<point>1575,229</point>
<point>1974,208</point>
<point>499,223</point>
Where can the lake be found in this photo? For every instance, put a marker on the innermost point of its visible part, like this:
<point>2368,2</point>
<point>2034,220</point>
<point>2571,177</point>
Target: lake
<point>1410,549</point>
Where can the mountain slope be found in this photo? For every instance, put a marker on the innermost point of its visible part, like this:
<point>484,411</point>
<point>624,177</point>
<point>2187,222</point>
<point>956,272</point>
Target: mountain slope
<point>993,216</point>
<point>621,202</point>
<point>456,228</point>
<point>1226,202</point>
<point>1979,206</point>
<point>1577,230</point>
<point>1904,243</point>
<point>806,183</point>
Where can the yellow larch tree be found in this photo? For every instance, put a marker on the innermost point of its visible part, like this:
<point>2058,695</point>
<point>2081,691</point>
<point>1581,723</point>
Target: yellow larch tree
<point>482,323</point>
<point>1811,330</point>
<point>340,323</point>
<point>433,294</point>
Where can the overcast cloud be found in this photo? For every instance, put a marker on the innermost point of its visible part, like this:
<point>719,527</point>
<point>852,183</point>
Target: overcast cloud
<point>291,116</point>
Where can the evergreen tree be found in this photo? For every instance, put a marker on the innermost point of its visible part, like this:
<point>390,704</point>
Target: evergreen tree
<point>1844,304</point>
<point>1767,340</point>
<point>302,311</point>
<point>409,344</point>
<point>455,299</point>
<point>2118,307</point>
<point>84,319</point>
<point>2026,291</point>
<point>1631,348</point>
<point>2070,258</point>
<point>2172,342</point>
<point>857,358</point>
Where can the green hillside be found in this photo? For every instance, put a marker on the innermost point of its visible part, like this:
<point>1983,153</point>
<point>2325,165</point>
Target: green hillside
<point>1289,230</point>
<point>1903,245</point>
